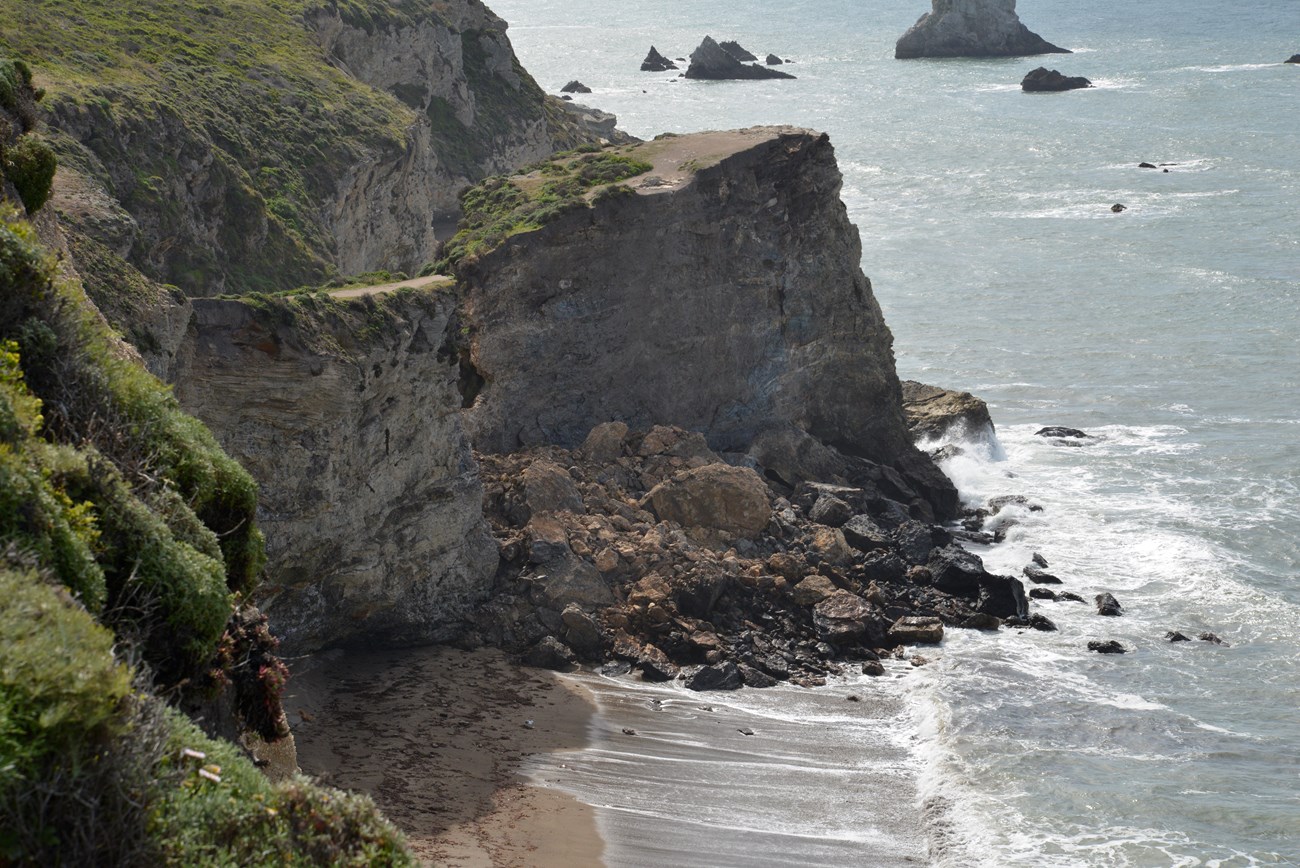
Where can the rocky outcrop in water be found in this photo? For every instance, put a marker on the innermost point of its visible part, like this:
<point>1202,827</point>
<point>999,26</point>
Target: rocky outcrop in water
<point>1044,80</point>
<point>656,62</point>
<point>1295,58</point>
<point>738,51</point>
<point>972,28</point>
<point>933,413</point>
<point>712,61</point>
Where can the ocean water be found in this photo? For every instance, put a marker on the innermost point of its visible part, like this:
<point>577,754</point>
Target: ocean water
<point>1170,331</point>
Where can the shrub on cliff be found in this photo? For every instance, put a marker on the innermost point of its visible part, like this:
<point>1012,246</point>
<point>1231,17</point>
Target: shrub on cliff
<point>125,533</point>
<point>500,207</point>
<point>30,166</point>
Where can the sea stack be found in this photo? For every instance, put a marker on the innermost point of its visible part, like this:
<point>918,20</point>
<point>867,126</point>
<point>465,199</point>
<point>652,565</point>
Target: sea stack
<point>972,28</point>
<point>712,61</point>
<point>656,62</point>
<point>1044,80</point>
<point>1295,58</point>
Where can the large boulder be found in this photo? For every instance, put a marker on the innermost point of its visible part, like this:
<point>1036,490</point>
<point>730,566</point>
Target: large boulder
<point>575,86</point>
<point>933,413</point>
<point>916,630</point>
<point>972,28</point>
<point>656,62</point>
<point>1044,80</point>
<point>961,573</point>
<point>844,618</point>
<point>712,61</point>
<point>723,676</point>
<point>717,497</point>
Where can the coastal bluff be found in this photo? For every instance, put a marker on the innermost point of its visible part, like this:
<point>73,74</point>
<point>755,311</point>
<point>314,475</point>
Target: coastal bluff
<point>972,28</point>
<point>719,291</point>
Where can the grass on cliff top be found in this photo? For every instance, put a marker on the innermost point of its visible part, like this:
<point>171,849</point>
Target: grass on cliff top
<point>501,207</point>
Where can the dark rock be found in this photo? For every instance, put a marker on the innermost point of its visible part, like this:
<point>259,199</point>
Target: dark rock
<point>656,62</point>
<point>976,537</point>
<point>550,653</point>
<point>1039,560</point>
<point>1041,622</point>
<point>1039,576</point>
<point>744,730</point>
<point>1175,636</point>
<point>755,677</point>
<point>567,98</point>
<point>581,631</point>
<point>1117,208</point>
<point>737,51</point>
<point>853,697</point>
<point>1295,58</point>
<point>1070,596</point>
<point>711,61</point>
<point>873,668</point>
<point>627,730</point>
<point>1146,165</point>
<point>1044,80</point>
<point>1211,637</point>
<point>1061,431</point>
<point>864,534</point>
<point>1041,594</point>
<point>575,86</point>
<point>773,60</point>
<point>831,511</point>
<point>962,28</point>
<point>654,665</point>
<point>956,571</point>
<point>947,452</point>
<point>1002,596</point>
<point>981,621</point>
<point>615,668</point>
<point>1108,605</point>
<point>1110,646</point>
<point>724,676</point>
<point>914,542</point>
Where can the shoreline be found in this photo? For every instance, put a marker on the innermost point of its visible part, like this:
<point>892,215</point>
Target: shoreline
<point>437,736</point>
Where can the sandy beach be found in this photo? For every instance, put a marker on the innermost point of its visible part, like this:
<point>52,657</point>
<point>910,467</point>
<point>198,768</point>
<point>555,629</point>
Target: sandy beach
<point>437,736</point>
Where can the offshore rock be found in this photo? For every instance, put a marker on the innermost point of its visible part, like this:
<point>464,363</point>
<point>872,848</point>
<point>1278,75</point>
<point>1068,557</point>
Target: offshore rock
<point>934,414</point>
<point>656,62</point>
<point>1110,646</point>
<point>972,28</point>
<point>773,60</point>
<point>575,86</point>
<point>1044,80</point>
<point>628,309</point>
<point>1295,58</point>
<point>1108,605</point>
<point>712,61</point>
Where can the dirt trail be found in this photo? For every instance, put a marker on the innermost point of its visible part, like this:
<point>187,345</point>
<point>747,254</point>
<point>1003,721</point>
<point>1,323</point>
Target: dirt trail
<point>414,283</point>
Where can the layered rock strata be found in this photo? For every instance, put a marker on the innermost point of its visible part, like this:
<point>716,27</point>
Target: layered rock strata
<point>972,28</point>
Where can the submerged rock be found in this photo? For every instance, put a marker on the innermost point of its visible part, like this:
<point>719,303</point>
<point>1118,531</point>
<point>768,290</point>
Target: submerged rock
<point>1212,638</point>
<point>972,28</point>
<point>1110,646</point>
<point>1175,636</point>
<point>1044,80</point>
<point>1060,431</point>
<point>656,62</point>
<point>1109,606</point>
<point>712,61</point>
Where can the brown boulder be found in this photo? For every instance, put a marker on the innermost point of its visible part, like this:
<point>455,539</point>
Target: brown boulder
<point>813,590</point>
<point>831,547</point>
<point>714,497</point>
<point>843,617</point>
<point>916,631</point>
<point>931,412</point>
<point>548,487</point>
<point>605,442</point>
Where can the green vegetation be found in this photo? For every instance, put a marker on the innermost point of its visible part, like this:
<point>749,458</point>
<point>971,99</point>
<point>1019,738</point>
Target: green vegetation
<point>501,207</point>
<point>126,538</point>
<point>30,166</point>
<point>154,87</point>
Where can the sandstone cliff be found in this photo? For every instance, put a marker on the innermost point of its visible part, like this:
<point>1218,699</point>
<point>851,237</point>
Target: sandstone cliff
<point>972,28</point>
<point>725,297</point>
<point>346,414</point>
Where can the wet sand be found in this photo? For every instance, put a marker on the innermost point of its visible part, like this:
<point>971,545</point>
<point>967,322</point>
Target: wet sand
<point>437,737</point>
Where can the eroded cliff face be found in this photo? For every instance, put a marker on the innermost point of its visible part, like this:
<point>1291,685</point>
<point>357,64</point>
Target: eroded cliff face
<point>346,414</point>
<point>724,297</point>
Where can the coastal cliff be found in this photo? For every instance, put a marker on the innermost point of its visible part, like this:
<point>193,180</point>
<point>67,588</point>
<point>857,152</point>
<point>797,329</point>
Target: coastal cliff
<point>725,297</point>
<point>347,414</point>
